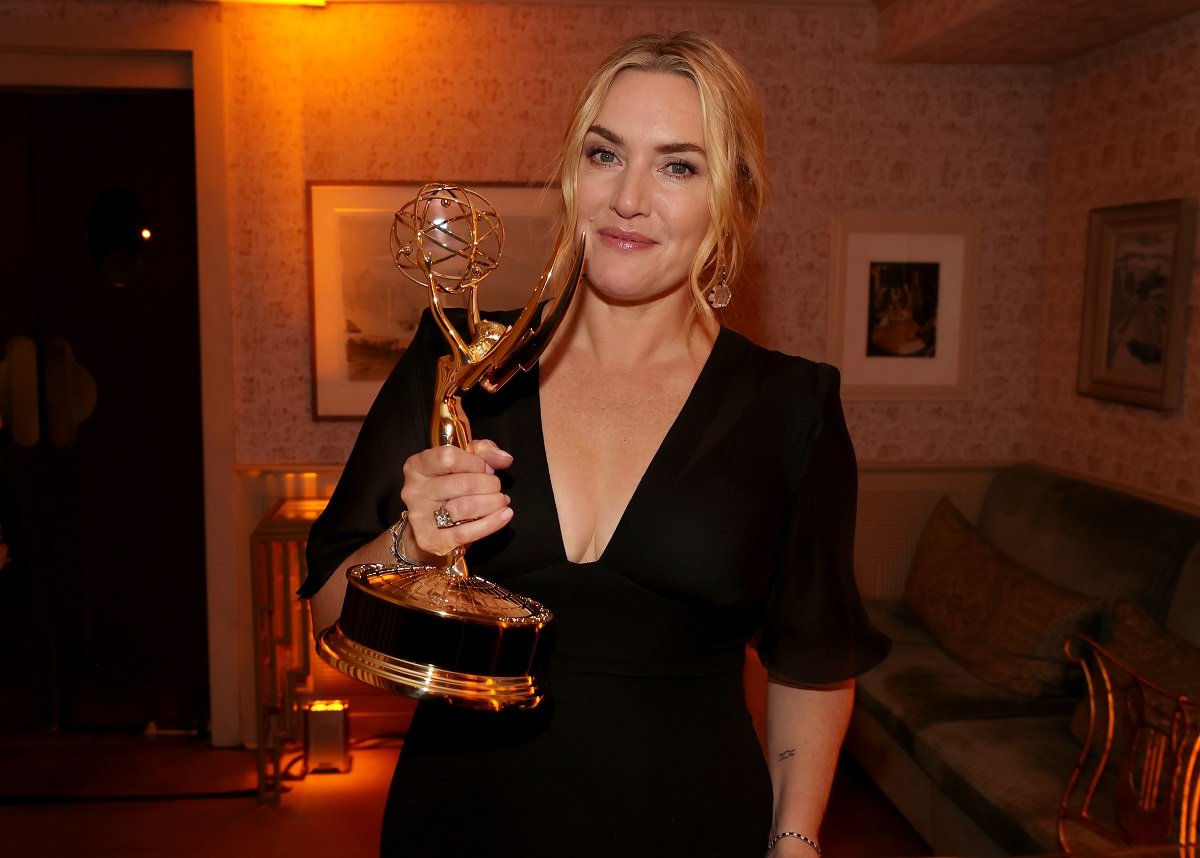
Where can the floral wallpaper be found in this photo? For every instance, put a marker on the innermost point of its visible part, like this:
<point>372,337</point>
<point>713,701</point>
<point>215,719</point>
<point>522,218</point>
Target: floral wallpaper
<point>1126,129</point>
<point>390,91</point>
<point>480,91</point>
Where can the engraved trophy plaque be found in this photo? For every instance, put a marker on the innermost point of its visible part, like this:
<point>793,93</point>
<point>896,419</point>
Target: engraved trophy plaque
<point>439,632</point>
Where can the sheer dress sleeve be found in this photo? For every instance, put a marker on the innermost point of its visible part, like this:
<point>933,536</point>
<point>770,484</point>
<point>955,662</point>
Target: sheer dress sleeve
<point>367,498</point>
<point>816,630</point>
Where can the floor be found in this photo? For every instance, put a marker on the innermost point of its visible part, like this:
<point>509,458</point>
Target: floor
<point>85,796</point>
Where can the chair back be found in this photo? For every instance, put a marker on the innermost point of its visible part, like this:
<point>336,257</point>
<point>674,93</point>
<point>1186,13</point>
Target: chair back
<point>1137,780</point>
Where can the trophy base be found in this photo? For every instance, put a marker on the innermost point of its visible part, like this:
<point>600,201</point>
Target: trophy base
<point>425,681</point>
<point>430,633</point>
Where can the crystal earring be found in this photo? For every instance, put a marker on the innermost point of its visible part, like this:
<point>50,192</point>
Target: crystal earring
<point>720,295</point>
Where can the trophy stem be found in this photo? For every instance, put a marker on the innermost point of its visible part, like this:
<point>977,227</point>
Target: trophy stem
<point>450,428</point>
<point>456,563</point>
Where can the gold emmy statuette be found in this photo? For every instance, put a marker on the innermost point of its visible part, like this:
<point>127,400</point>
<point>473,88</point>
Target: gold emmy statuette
<point>439,632</point>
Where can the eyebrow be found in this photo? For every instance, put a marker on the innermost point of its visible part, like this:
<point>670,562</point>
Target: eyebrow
<point>665,149</point>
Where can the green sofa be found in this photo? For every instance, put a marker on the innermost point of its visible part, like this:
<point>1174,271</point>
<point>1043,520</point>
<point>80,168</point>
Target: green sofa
<point>978,767</point>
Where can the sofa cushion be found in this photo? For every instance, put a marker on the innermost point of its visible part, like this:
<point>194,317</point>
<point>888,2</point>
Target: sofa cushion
<point>1161,657</point>
<point>1094,540</point>
<point>1008,774</point>
<point>1002,622</point>
<point>1147,648</point>
<point>1184,617</point>
<point>918,684</point>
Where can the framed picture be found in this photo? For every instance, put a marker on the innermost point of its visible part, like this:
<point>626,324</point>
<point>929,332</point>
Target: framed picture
<point>902,305</point>
<point>365,311</point>
<point>1136,285</point>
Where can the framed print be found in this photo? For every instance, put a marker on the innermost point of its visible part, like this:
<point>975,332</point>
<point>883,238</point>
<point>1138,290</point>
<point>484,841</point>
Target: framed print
<point>365,311</point>
<point>1136,286</point>
<point>902,305</point>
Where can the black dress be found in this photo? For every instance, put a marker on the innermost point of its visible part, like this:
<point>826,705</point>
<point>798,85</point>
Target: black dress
<point>740,530</point>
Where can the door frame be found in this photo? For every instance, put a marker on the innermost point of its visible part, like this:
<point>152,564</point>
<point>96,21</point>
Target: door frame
<point>184,50</point>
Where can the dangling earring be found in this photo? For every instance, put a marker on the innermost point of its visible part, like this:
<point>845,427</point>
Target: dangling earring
<point>720,295</point>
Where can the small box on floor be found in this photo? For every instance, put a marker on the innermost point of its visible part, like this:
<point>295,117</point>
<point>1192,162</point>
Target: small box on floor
<point>327,736</point>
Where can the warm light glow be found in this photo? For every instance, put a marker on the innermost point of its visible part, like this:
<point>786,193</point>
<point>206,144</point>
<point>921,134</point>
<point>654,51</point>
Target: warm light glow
<point>279,2</point>
<point>145,235</point>
<point>302,509</point>
<point>328,705</point>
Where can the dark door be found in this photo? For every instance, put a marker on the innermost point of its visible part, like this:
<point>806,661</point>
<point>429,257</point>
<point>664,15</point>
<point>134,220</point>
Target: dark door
<point>102,605</point>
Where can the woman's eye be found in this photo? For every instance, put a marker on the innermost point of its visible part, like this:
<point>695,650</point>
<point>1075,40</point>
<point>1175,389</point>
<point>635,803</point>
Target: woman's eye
<point>680,168</point>
<point>600,155</point>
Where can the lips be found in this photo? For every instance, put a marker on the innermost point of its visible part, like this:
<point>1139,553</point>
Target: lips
<point>625,239</point>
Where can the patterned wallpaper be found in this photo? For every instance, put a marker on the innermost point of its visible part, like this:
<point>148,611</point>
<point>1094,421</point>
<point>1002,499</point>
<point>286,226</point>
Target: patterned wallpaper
<point>387,91</point>
<point>1013,31</point>
<point>1126,126</point>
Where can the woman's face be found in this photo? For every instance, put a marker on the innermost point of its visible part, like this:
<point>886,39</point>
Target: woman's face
<point>643,186</point>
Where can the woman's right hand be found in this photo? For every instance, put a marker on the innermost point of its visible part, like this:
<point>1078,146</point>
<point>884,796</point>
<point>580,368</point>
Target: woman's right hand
<point>464,483</point>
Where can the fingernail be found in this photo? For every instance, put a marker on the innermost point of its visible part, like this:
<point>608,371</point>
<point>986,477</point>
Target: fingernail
<point>507,500</point>
<point>506,514</point>
<point>504,453</point>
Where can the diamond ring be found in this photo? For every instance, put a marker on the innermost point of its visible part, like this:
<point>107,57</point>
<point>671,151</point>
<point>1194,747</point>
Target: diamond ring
<point>442,517</point>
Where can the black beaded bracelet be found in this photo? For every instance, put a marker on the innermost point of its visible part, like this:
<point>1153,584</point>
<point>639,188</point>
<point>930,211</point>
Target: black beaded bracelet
<point>775,841</point>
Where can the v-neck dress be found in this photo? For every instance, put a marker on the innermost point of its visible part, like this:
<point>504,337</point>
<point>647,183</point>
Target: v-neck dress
<point>741,530</point>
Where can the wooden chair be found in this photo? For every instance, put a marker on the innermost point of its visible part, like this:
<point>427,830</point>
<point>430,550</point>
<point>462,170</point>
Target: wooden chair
<point>1137,780</point>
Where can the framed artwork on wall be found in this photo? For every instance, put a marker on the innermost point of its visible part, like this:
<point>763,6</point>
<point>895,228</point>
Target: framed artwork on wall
<point>902,305</point>
<point>365,311</point>
<point>1136,286</point>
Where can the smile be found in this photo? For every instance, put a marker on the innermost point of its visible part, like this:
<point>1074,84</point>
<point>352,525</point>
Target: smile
<point>624,239</point>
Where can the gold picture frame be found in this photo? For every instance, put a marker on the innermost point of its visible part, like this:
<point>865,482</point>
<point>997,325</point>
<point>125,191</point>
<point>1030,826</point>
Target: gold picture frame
<point>364,311</point>
<point>1136,286</point>
<point>902,305</point>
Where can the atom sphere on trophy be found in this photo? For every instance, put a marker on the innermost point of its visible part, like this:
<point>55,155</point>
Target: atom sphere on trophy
<point>447,236</point>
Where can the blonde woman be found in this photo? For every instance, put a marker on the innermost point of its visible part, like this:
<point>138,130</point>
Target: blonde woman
<point>670,489</point>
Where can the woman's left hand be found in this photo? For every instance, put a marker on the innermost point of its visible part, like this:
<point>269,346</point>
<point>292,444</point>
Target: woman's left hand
<point>459,484</point>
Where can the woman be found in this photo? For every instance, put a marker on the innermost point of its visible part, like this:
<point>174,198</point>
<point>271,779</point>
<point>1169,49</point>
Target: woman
<point>669,489</point>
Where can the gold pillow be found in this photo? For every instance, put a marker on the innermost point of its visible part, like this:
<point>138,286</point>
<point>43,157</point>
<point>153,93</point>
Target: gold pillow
<point>1163,658</point>
<point>1147,648</point>
<point>998,619</point>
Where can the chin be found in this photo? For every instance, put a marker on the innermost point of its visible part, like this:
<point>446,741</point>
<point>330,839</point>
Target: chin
<point>632,294</point>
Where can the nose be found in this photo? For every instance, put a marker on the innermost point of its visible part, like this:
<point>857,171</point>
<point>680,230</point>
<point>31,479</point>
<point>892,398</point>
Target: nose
<point>631,195</point>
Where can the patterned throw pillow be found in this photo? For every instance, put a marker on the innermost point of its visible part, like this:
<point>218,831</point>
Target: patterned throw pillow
<point>1163,658</point>
<point>1148,649</point>
<point>998,619</point>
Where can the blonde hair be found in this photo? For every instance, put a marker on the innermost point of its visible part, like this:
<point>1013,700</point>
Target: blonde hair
<point>733,142</point>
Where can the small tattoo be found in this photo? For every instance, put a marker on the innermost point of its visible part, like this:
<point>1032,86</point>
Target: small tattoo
<point>790,752</point>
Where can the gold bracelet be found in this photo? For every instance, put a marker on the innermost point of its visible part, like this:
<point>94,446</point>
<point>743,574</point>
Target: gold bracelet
<point>775,841</point>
